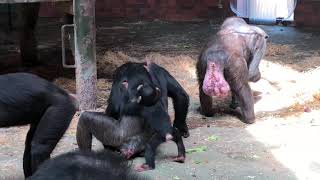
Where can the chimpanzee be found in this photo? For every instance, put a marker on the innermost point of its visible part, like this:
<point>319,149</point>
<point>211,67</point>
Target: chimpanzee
<point>29,99</point>
<point>80,165</point>
<point>229,61</point>
<point>136,118</point>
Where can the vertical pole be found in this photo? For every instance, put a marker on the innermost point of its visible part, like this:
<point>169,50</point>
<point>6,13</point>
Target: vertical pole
<point>85,53</point>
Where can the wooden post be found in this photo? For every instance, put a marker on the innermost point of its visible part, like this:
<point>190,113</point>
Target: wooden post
<point>85,53</point>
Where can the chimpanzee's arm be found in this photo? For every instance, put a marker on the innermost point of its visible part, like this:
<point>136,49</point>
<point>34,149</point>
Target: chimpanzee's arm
<point>257,53</point>
<point>113,108</point>
<point>180,102</point>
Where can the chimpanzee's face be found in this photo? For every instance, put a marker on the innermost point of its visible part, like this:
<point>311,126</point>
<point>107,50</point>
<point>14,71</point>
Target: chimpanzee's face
<point>140,88</point>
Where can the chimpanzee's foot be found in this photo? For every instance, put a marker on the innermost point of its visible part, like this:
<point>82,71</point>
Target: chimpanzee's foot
<point>234,105</point>
<point>183,129</point>
<point>239,114</point>
<point>206,112</point>
<point>257,96</point>
<point>179,159</point>
<point>142,167</point>
<point>185,134</point>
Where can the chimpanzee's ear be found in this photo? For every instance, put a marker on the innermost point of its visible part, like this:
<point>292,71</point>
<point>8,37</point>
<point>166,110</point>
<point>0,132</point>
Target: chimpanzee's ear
<point>125,84</point>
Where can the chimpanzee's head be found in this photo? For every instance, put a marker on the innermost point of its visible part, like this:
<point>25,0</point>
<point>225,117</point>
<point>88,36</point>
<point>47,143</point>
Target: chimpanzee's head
<point>138,84</point>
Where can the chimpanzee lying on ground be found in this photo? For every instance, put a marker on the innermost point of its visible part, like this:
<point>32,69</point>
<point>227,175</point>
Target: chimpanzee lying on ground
<point>29,99</point>
<point>102,165</point>
<point>136,118</point>
<point>229,61</point>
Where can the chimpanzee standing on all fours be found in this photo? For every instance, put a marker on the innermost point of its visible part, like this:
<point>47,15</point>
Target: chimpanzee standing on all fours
<point>228,62</point>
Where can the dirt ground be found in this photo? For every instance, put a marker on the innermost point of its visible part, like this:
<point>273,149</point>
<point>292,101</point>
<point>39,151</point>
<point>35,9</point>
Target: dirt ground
<point>283,144</point>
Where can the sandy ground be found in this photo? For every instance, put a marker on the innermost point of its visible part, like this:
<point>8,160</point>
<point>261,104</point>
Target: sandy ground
<point>282,144</point>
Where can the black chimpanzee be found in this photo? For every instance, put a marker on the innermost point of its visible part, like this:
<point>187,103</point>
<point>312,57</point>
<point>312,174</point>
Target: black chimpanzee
<point>230,60</point>
<point>136,118</point>
<point>29,99</point>
<point>86,166</point>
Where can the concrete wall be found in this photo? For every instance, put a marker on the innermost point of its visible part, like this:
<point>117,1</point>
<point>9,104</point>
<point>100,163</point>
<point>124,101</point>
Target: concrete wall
<point>307,13</point>
<point>179,10</point>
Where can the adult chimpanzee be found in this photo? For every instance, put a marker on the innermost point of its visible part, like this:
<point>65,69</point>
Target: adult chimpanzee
<point>29,99</point>
<point>229,61</point>
<point>86,166</point>
<point>136,118</point>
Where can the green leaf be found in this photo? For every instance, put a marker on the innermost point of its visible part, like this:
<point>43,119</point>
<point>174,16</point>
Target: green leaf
<point>198,149</point>
<point>176,178</point>
<point>197,162</point>
<point>213,138</point>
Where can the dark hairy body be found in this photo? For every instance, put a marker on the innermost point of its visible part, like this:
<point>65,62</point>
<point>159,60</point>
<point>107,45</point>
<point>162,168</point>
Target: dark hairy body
<point>29,99</point>
<point>86,166</point>
<point>128,134</point>
<point>228,62</point>
<point>136,119</point>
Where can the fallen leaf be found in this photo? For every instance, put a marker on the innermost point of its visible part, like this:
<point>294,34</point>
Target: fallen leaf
<point>198,149</point>
<point>212,138</point>
<point>176,178</point>
<point>197,162</point>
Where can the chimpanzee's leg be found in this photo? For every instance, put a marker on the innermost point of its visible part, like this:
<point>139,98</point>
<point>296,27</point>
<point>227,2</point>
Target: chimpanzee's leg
<point>27,151</point>
<point>104,128</point>
<point>108,131</point>
<point>234,102</point>
<point>237,77</point>
<point>83,134</point>
<point>150,152</point>
<point>245,97</point>
<point>181,149</point>
<point>205,102</point>
<point>152,145</point>
<point>49,131</point>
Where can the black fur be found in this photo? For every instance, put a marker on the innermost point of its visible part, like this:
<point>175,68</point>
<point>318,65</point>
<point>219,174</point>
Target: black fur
<point>29,99</point>
<point>128,124</point>
<point>101,165</point>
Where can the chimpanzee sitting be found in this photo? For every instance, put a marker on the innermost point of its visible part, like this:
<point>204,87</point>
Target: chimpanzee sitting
<point>136,118</point>
<point>29,99</point>
<point>86,166</point>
